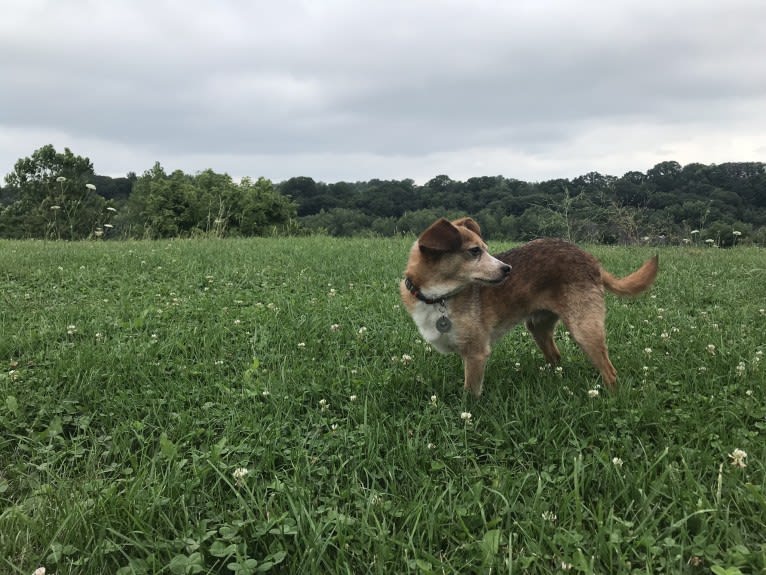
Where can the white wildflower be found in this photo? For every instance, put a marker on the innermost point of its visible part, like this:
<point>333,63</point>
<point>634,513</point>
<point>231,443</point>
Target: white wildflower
<point>738,457</point>
<point>239,475</point>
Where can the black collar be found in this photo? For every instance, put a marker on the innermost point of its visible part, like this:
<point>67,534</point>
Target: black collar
<point>414,290</point>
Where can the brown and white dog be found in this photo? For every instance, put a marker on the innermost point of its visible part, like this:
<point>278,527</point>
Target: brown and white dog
<point>463,299</point>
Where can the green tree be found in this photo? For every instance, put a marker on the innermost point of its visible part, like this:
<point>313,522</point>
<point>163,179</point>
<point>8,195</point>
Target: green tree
<point>54,198</point>
<point>162,206</point>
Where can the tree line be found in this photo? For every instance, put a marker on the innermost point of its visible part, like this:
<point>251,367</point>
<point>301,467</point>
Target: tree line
<point>59,196</point>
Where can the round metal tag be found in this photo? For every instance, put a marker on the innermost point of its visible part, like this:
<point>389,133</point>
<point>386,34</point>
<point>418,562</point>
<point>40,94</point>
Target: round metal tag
<point>443,324</point>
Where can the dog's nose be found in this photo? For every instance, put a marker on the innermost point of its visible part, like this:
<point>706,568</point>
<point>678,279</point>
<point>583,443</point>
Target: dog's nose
<point>506,269</point>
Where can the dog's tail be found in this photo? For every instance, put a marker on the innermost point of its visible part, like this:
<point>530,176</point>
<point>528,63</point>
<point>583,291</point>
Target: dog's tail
<point>635,283</point>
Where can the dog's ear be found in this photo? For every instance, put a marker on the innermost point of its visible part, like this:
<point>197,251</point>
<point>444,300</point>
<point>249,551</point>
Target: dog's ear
<point>470,224</point>
<point>441,236</point>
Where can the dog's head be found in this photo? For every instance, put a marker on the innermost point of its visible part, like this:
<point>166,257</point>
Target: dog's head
<point>451,255</point>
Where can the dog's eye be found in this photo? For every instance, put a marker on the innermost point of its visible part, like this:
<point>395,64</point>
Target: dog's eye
<point>475,252</point>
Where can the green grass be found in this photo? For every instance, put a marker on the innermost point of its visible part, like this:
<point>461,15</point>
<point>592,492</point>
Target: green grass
<point>137,377</point>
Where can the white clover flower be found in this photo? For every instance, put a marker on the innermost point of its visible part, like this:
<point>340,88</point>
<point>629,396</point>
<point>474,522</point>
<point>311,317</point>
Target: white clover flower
<point>711,349</point>
<point>39,571</point>
<point>332,292</point>
<point>55,208</point>
<point>334,426</point>
<point>738,457</point>
<point>323,405</point>
<point>61,179</point>
<point>559,371</point>
<point>741,368</point>
<point>406,359</point>
<point>593,392</point>
<point>239,475</point>
<point>433,399</point>
<point>335,327</point>
<point>648,350</point>
<point>91,187</point>
<point>237,321</point>
<point>617,462</point>
<point>265,393</point>
<point>302,345</point>
<point>352,398</point>
<point>466,416</point>
<point>431,446</point>
<point>361,331</point>
<point>736,233</point>
<point>549,516</point>
<point>111,209</point>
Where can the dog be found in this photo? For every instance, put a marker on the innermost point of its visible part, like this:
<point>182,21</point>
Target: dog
<point>463,300</point>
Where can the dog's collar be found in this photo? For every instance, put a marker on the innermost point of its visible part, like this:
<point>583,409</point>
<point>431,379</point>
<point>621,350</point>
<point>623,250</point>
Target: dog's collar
<point>414,290</point>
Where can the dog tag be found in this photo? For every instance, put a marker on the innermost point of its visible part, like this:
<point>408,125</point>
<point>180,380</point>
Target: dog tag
<point>443,324</point>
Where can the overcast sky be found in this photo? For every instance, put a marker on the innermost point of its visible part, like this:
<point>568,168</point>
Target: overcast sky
<point>391,89</point>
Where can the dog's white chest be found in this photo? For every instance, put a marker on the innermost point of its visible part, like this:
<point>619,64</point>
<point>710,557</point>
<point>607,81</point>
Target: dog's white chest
<point>426,317</point>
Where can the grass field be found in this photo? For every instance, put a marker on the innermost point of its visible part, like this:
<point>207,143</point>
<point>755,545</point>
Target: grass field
<point>244,406</point>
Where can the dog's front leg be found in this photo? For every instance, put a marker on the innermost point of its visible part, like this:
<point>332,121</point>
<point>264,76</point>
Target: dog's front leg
<point>473,365</point>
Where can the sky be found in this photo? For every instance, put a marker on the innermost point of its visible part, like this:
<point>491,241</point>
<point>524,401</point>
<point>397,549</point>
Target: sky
<point>353,90</point>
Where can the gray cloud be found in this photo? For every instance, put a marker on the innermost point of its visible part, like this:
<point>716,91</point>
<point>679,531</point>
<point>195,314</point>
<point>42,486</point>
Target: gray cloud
<point>358,90</point>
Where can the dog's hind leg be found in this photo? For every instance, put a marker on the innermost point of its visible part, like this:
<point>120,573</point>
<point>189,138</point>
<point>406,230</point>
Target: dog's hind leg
<point>586,326</point>
<point>541,324</point>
